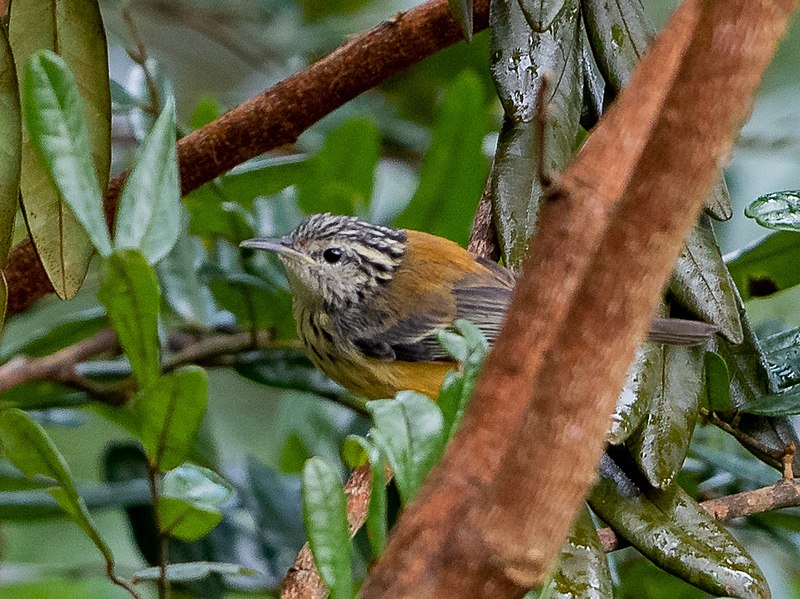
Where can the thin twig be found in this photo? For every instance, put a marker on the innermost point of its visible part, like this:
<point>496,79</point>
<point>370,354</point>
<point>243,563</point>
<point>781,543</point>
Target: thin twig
<point>163,538</point>
<point>774,456</point>
<point>140,57</point>
<point>483,237</point>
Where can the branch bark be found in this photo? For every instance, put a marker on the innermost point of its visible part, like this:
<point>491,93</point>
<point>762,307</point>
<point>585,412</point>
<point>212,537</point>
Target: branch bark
<point>493,515</point>
<point>279,115</point>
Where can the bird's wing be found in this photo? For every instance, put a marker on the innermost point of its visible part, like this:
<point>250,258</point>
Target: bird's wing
<point>480,296</point>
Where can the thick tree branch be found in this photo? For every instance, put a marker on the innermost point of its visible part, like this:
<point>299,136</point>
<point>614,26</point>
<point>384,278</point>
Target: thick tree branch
<point>491,518</point>
<point>279,115</point>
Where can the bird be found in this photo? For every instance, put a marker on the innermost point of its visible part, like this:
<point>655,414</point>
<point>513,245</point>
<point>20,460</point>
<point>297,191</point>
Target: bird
<point>369,299</point>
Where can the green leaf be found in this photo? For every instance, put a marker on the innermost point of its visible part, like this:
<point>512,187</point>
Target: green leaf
<point>286,369</point>
<point>57,129</point>
<point>641,385</point>
<point>325,518</point>
<point>701,283</point>
<point>779,210</point>
<point>212,216</point>
<point>10,147</point>
<point>148,217</point>
<point>171,410</point>
<point>463,13</point>
<point>357,450</point>
<point>717,383</point>
<point>786,403</point>
<point>454,344</point>
<point>74,28</point>
<point>264,177</point>
<point>454,171</point>
<point>188,571</point>
<point>676,534</point>
<point>129,291</point>
<point>766,266</point>
<point>660,444</point>
<point>409,430</point>
<point>27,446</point>
<point>340,176</point>
<point>190,501</point>
<point>582,566</point>
<point>57,333</point>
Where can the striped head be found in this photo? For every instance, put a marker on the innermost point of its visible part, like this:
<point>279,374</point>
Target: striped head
<point>336,262</point>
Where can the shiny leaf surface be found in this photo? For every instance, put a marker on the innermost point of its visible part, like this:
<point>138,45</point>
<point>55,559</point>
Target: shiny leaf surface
<point>644,378</point>
<point>582,566</point>
<point>10,146</point>
<point>766,266</point>
<point>779,210</point>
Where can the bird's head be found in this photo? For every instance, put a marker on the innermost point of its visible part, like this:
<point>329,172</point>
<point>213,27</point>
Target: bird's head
<point>337,261</point>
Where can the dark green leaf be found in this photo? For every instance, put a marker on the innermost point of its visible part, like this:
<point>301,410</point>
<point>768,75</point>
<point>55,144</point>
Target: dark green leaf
<point>75,29</point>
<point>357,450</point>
<point>325,518</point>
<point>206,110</point>
<point>766,266</point>
<point>148,217</point>
<point>779,210</point>
<point>641,385</point>
<point>676,534</point>
<point>582,566</point>
<point>454,171</point>
<point>717,383</point>
<point>294,454</point>
<point>463,14</point>
<point>786,403</point>
<point>129,291</point>
<point>409,431</point>
<point>340,176</point>
<point>10,146</point>
<point>286,369</point>
<point>171,410</point>
<point>57,129</point>
<point>701,282</point>
<point>187,571</point>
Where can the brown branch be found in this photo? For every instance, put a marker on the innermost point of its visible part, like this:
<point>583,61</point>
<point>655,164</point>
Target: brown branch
<point>483,237</point>
<point>536,425</point>
<point>279,115</point>
<point>785,493</point>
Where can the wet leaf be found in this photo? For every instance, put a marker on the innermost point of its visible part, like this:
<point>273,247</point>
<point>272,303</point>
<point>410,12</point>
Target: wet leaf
<point>57,130</point>
<point>76,28</point>
<point>676,534</point>
<point>779,210</point>
<point>187,571</point>
<point>171,410</point>
<point>644,376</point>
<point>660,444</point>
<point>582,566</point>
<point>766,266</point>
<point>782,352</point>
<point>519,58</point>
<point>701,282</point>
<point>463,14</point>
<point>148,217</point>
<point>786,403</point>
<point>10,147</point>
<point>129,291</point>
<point>325,517</point>
<point>540,14</point>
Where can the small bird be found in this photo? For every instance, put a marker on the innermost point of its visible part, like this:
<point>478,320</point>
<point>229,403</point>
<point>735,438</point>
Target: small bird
<point>368,299</point>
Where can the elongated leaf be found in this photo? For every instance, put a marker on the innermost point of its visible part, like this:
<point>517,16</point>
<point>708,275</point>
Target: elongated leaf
<point>325,518</point>
<point>29,448</point>
<point>171,410</point>
<point>264,177</point>
<point>766,266</point>
<point>701,282</point>
<point>74,29</point>
<point>660,444</point>
<point>54,117</point>
<point>3,298</point>
<point>10,147</point>
<point>644,376</point>
<point>148,218</point>
<point>717,383</point>
<point>187,571</point>
<point>129,292</point>
<point>463,13</point>
<point>540,14</point>
<point>409,430</point>
<point>582,566</point>
<point>676,534</point>
<point>782,352</point>
<point>779,210</point>
<point>786,403</point>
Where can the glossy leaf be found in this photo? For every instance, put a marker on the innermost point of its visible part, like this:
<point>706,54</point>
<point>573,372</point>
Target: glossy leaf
<point>75,29</point>
<point>582,566</point>
<point>786,403</point>
<point>29,448</point>
<point>187,571</point>
<point>325,518</point>
<point>171,410</point>
<point>701,283</point>
<point>676,534</point>
<point>341,175</point>
<point>779,210</point>
<point>357,450</point>
<point>717,383</point>
<point>519,57</point>
<point>190,501</point>
<point>660,444</point>
<point>454,170</point>
<point>57,130</point>
<point>409,431</point>
<point>540,14</point>
<point>129,291</point>
<point>463,13</point>
<point>184,520</point>
<point>10,147</point>
<point>148,217</point>
<point>641,384</point>
<point>766,266</point>
<point>782,352</point>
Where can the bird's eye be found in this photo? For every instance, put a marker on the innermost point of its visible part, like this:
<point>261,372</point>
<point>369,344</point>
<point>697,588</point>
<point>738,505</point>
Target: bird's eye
<point>332,255</point>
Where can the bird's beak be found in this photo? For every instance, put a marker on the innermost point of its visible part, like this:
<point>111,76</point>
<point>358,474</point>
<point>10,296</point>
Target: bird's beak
<point>280,245</point>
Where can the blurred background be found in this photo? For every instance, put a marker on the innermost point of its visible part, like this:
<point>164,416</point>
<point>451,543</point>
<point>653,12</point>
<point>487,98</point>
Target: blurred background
<point>214,55</point>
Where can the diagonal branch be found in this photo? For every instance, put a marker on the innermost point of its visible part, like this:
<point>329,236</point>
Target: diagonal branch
<point>280,114</point>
